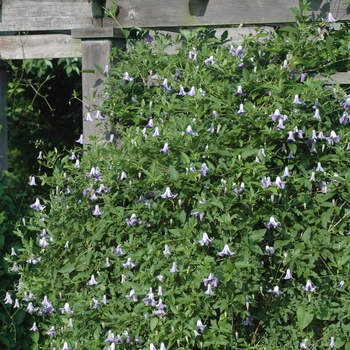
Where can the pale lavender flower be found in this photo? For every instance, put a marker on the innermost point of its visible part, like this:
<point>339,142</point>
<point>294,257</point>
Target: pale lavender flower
<point>240,91</point>
<point>95,173</point>
<point>66,246</point>
<point>266,182</point>
<point>15,267</point>
<point>168,194</point>
<point>303,77</point>
<point>210,61</point>
<point>152,347</point>
<point>212,280</point>
<point>92,281</point>
<point>241,109</point>
<point>346,104</point>
<point>8,299</point>
<point>102,188</point>
<point>129,263</point>
<point>196,333</point>
<point>309,287</point>
<point>269,250</point>
<point>88,117</point>
<point>33,259</point>
<point>345,118</point>
<point>239,190</point>
<point>248,321</point>
<point>34,327</point>
<point>162,346</point>
<point>226,251</point>
<point>118,251</point>
<point>66,309</point>
<point>192,55</point>
<point>123,176</point>
<point>285,64</point>
<point>97,211</point>
<point>192,92</point>
<point>333,138</point>
<point>31,309</point>
<point>276,291</point>
<point>296,100</point>
<point>205,240</point>
<point>201,326</point>
<point>286,172</point>
<point>149,124</point>
<point>303,345</point>
<point>40,156</point>
<point>280,125</point>
<point>132,296</point>
<point>149,298</point>
<point>166,250</point>
<point>107,264</point>
<point>174,268</point>
<point>104,300</point>
<point>332,343</point>
<point>204,170</point>
<point>43,243</point>
<point>209,290</point>
<point>160,278</point>
<point>189,131</point>
<point>165,149</point>
<point>156,132</point>
<point>272,223</point>
<point>13,252</point>
<point>279,183</point>
<point>160,290</point>
<point>51,331</point>
<point>288,275</point>
<point>98,115</point>
<point>70,323</point>
<point>341,283</point>
<point>330,19</point>
<point>126,77</point>
<point>65,346</point>
<point>165,85</point>
<point>31,181</point>
<point>276,115</point>
<point>181,91</point>
<point>317,114</point>
<point>312,178</point>
<point>37,206</point>
<point>77,164</point>
<point>123,278</point>
<point>319,167</point>
<point>212,128</point>
<point>237,51</point>
<point>81,140</point>
<point>133,220</point>
<point>290,136</point>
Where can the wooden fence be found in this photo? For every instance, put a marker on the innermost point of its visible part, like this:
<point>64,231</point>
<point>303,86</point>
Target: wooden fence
<point>80,28</point>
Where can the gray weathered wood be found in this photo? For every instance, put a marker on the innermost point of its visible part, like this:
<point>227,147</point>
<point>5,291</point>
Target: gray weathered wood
<point>342,78</point>
<point>99,33</point>
<point>95,52</point>
<point>30,15</point>
<point>39,46</point>
<point>155,13</point>
<point>3,118</point>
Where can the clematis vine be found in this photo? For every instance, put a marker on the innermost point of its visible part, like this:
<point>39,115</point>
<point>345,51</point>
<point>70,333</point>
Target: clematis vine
<point>37,206</point>
<point>226,251</point>
<point>168,194</point>
<point>272,223</point>
<point>205,240</point>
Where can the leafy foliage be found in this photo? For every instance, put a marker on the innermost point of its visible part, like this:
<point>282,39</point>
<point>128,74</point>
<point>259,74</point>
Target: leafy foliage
<point>228,176</point>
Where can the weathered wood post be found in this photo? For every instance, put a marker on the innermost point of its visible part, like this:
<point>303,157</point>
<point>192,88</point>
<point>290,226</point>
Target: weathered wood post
<point>3,118</point>
<point>96,47</point>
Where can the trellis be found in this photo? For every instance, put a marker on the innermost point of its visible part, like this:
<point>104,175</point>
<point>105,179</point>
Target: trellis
<point>34,29</point>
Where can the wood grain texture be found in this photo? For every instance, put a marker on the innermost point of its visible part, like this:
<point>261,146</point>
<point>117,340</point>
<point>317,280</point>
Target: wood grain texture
<point>39,46</point>
<point>38,15</point>
<point>155,13</point>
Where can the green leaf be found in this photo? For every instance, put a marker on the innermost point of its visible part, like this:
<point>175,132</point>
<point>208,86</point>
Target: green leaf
<point>154,323</point>
<point>100,69</point>
<point>304,317</point>
<point>174,175</point>
<point>245,75</point>
<point>329,42</point>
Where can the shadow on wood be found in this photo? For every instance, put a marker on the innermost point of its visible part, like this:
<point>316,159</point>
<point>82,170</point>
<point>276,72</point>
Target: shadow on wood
<point>197,7</point>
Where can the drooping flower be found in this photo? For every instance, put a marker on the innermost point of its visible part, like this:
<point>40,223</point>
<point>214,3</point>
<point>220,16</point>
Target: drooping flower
<point>192,55</point>
<point>126,77</point>
<point>241,109</point>
<point>81,140</point>
<point>8,299</point>
<point>237,51</point>
<point>240,91</point>
<point>212,128</point>
<point>181,91</point>
<point>31,181</point>
<point>65,346</point>
<point>209,290</point>
<point>332,343</point>
<point>280,125</point>
<point>133,220</point>
<point>132,295</point>
<point>288,275</point>
<point>286,172</point>
<point>149,124</point>
<point>333,138</point>
<point>341,283</point>
<point>31,309</point>
<point>98,115</point>
<point>156,132</point>
<point>296,100</point>
<point>66,309</point>
<point>330,19</point>
<point>92,281</point>
<point>88,117</point>
<point>165,85</point>
<point>317,114</point>
<point>118,251</point>
<point>212,280</point>
<point>37,206</point>
<point>205,240</point>
<point>165,149</point>
<point>97,211</point>
<point>272,223</point>
<point>77,164</point>
<point>239,190</point>
<point>168,194</point>
<point>276,291</point>
<point>129,263</point>
<point>269,250</point>
<point>290,136</point>
<point>189,131</point>
<point>51,331</point>
<point>248,321</point>
<point>266,182</point>
<point>279,183</point>
<point>276,115</point>
<point>34,327</point>
<point>174,268</point>
<point>204,170</point>
<point>346,104</point>
<point>166,250</point>
<point>319,167</point>
<point>309,287</point>
<point>192,92</point>
<point>226,251</point>
<point>210,61</point>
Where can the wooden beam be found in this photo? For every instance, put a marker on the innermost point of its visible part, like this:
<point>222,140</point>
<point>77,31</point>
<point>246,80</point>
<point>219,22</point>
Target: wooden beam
<point>39,46</point>
<point>342,78</point>
<point>3,118</point>
<point>96,52</point>
<point>44,15</point>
